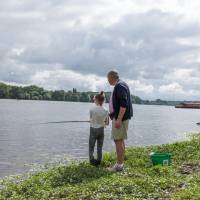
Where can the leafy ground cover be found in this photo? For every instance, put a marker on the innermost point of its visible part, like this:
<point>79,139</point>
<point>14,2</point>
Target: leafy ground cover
<point>139,180</point>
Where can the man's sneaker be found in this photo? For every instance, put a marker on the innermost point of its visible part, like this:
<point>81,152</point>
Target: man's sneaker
<point>117,168</point>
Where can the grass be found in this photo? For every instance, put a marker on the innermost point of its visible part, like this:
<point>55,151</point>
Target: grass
<point>139,180</point>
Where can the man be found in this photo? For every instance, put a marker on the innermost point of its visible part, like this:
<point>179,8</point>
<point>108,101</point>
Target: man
<point>121,111</point>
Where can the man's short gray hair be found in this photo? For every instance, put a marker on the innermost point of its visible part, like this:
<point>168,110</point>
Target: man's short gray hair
<point>113,74</point>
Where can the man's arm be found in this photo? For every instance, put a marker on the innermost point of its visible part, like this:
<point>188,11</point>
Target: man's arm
<point>121,113</point>
<point>118,122</point>
<point>122,96</point>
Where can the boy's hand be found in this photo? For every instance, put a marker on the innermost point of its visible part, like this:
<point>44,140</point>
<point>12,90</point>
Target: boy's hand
<point>107,121</point>
<point>118,123</point>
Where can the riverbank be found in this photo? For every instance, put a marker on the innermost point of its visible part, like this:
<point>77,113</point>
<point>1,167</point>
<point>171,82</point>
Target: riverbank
<point>139,180</point>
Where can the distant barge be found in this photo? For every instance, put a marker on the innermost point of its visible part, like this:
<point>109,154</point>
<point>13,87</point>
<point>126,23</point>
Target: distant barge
<point>188,105</point>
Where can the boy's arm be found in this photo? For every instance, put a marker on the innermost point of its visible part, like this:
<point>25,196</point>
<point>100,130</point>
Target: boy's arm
<point>107,121</point>
<point>90,116</point>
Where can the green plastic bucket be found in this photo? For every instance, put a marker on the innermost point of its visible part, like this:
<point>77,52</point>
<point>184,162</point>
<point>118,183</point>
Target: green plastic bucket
<point>163,159</point>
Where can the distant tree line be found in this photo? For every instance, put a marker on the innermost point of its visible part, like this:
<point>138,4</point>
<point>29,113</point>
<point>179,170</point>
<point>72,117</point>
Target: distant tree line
<point>38,93</point>
<point>34,92</point>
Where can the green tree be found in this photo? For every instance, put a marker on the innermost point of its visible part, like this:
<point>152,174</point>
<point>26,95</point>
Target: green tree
<point>4,92</point>
<point>16,93</point>
<point>27,96</point>
<point>107,95</point>
<point>84,97</point>
<point>34,95</point>
<point>137,100</point>
<point>74,90</point>
<point>160,102</point>
<point>47,95</point>
<point>74,98</point>
<point>58,95</point>
<point>35,98</point>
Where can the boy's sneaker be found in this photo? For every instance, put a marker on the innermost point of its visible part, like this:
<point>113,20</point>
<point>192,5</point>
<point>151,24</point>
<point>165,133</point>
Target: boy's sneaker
<point>95,162</point>
<point>117,168</point>
<point>98,162</point>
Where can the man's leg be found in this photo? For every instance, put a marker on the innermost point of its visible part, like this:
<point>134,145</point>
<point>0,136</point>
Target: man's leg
<point>124,147</point>
<point>119,135</point>
<point>120,150</point>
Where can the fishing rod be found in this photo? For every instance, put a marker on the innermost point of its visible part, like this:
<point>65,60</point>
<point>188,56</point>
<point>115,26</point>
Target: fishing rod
<point>74,121</point>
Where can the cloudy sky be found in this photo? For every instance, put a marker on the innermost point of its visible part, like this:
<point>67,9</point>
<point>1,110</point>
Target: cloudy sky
<point>61,44</point>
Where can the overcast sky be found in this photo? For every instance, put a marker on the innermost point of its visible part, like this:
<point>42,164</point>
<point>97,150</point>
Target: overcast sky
<point>61,44</point>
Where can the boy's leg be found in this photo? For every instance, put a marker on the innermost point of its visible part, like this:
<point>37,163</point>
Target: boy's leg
<point>92,141</point>
<point>100,145</point>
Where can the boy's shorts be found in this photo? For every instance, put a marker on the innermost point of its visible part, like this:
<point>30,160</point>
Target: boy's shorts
<point>119,133</point>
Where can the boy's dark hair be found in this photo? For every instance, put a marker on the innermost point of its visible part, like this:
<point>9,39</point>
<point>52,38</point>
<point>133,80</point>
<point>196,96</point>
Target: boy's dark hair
<point>100,97</point>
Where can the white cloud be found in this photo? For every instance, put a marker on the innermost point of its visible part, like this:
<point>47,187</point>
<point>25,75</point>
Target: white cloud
<point>185,76</point>
<point>173,88</point>
<point>175,91</point>
<point>73,43</point>
<point>137,86</point>
<point>17,51</point>
<point>67,79</point>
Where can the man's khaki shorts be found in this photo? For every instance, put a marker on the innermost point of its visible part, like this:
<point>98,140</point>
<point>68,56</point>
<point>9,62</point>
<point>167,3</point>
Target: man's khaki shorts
<point>119,133</point>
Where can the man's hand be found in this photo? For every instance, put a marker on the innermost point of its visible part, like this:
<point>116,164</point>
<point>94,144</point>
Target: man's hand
<point>118,123</point>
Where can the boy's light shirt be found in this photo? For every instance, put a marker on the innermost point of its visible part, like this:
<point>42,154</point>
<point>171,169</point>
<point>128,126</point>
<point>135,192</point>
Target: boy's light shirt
<point>98,116</point>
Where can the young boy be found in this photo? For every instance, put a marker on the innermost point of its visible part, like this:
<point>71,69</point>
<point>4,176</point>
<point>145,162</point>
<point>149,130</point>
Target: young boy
<point>99,118</point>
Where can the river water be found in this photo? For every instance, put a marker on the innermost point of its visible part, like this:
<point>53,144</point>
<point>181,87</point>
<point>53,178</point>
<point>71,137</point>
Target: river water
<point>25,143</point>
